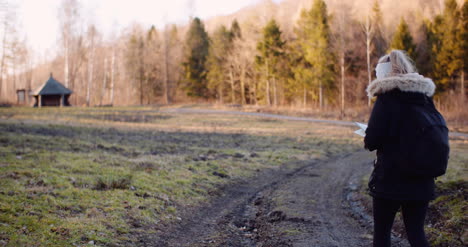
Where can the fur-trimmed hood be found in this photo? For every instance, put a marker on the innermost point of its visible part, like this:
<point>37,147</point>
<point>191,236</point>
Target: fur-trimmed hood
<point>412,82</point>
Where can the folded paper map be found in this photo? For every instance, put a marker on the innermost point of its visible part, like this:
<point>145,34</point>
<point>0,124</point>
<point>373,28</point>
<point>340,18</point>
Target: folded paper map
<point>362,129</point>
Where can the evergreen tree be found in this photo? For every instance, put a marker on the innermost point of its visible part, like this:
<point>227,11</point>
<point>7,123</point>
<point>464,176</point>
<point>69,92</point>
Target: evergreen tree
<point>196,53</point>
<point>313,35</point>
<point>299,83</point>
<point>271,51</point>
<point>402,40</point>
<point>464,33</point>
<point>424,58</point>
<point>448,49</point>
<point>464,47</point>
<point>135,63</point>
<point>216,61</point>
<point>236,30</point>
<point>153,68</point>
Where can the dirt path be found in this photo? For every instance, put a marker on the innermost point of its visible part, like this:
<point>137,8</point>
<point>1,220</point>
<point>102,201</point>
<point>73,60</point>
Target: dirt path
<point>277,116</point>
<point>296,205</point>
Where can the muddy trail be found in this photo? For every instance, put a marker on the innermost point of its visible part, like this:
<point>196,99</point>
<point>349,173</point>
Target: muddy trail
<point>306,204</point>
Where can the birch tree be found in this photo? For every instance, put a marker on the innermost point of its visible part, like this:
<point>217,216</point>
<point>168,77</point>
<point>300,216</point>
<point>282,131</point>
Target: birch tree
<point>69,16</point>
<point>368,30</point>
<point>8,38</point>
<point>341,38</point>
<point>92,32</point>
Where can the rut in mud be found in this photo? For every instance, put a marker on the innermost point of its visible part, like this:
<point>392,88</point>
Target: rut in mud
<point>294,205</point>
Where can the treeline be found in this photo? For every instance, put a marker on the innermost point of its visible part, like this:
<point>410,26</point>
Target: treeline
<point>327,61</point>
<point>322,63</point>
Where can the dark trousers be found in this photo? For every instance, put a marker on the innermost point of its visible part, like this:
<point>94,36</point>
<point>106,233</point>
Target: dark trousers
<point>413,213</point>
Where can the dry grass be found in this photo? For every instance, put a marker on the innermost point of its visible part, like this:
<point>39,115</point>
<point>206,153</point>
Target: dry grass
<point>74,175</point>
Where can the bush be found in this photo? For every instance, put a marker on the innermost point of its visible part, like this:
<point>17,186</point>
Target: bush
<point>110,183</point>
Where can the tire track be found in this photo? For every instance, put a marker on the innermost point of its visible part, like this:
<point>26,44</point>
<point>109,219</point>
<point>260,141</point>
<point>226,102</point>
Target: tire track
<point>296,205</point>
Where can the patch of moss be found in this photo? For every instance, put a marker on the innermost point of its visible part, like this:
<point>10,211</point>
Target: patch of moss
<point>447,214</point>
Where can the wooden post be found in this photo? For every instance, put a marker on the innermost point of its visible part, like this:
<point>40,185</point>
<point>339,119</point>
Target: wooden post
<point>39,103</point>
<point>61,100</point>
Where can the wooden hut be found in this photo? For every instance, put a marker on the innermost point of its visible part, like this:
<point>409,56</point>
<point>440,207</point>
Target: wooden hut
<point>52,93</point>
<point>23,96</point>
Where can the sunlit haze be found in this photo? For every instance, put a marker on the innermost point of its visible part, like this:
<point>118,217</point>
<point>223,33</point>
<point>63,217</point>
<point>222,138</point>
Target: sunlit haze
<point>40,18</point>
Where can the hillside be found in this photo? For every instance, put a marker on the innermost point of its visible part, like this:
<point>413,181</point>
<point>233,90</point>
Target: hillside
<point>287,11</point>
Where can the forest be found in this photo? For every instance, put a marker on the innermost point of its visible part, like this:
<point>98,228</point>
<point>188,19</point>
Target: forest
<point>297,53</point>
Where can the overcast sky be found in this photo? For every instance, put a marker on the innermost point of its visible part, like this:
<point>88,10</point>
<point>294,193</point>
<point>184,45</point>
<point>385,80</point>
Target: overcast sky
<point>39,17</point>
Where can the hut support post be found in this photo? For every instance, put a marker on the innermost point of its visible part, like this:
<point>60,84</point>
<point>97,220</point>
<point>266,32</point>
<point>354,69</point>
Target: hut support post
<point>62,98</point>
<point>39,104</point>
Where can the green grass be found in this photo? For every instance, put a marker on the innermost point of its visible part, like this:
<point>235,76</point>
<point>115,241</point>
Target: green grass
<point>447,220</point>
<point>73,175</point>
<point>447,215</point>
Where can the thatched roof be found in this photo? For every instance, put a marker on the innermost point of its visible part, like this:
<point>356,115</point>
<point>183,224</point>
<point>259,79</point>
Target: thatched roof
<point>51,87</point>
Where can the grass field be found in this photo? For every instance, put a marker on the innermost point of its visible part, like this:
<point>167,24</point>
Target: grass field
<point>71,176</point>
<point>82,176</point>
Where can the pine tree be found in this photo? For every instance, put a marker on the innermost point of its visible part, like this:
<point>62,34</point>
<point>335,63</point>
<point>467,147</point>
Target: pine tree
<point>313,35</point>
<point>271,49</point>
<point>464,47</point>
<point>153,68</point>
<point>424,58</point>
<point>299,84</point>
<point>402,40</point>
<point>197,46</point>
<point>236,30</point>
<point>448,57</point>
<point>216,61</point>
<point>135,63</point>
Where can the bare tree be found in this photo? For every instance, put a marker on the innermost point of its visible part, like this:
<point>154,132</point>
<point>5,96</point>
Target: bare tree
<point>341,40</point>
<point>91,36</point>
<point>71,39</point>
<point>112,76</point>
<point>368,29</point>
<point>9,37</point>
<point>166,53</point>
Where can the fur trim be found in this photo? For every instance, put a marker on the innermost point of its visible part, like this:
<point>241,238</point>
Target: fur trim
<point>412,82</point>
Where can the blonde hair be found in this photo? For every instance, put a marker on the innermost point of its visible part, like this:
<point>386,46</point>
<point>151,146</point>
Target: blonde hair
<point>401,62</point>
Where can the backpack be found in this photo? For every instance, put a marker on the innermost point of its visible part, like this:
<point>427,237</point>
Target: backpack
<point>424,141</point>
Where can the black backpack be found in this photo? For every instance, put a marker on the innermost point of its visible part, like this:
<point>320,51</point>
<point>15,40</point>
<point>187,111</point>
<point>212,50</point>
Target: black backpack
<point>424,141</point>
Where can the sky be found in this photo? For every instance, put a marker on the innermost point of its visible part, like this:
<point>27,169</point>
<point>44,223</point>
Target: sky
<point>39,22</point>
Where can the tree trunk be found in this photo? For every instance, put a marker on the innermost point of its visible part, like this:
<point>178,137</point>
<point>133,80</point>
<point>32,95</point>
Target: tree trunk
<point>462,89</point>
<point>368,31</point>
<point>112,77</point>
<point>90,77</point>
<point>242,82</point>
<point>66,69</point>
<point>305,96</point>
<point>275,94</point>
<point>321,95</point>
<point>368,68</point>
<point>104,83</point>
<point>220,92</point>
<point>268,84</point>
<point>255,87</point>
<point>141,86</point>
<point>233,92</point>
<point>342,84</point>
<point>2,63</point>
<point>166,68</point>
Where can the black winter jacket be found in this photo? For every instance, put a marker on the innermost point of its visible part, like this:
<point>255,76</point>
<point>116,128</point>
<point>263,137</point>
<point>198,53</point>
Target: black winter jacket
<point>383,133</point>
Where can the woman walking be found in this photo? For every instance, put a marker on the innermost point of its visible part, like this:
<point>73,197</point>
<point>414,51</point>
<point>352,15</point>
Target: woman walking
<point>397,88</point>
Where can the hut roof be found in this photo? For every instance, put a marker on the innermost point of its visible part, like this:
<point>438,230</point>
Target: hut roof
<point>51,87</point>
